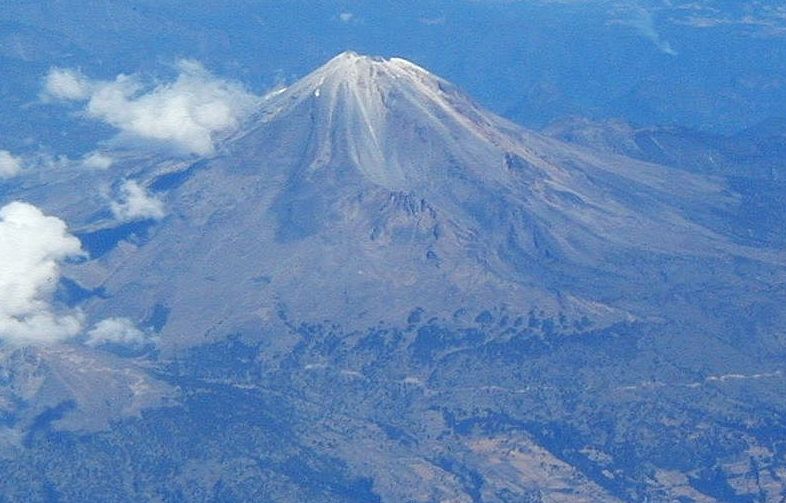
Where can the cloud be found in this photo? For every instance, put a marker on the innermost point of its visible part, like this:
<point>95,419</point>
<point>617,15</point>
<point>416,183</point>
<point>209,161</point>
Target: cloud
<point>32,247</point>
<point>346,17</point>
<point>432,21</point>
<point>117,331</point>
<point>754,18</point>
<point>97,160</point>
<point>10,165</point>
<point>136,204</point>
<point>642,21</point>
<point>66,84</point>
<point>183,115</point>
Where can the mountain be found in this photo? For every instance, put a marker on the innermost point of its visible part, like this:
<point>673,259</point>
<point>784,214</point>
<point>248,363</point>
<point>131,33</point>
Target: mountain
<point>399,189</point>
<point>754,153</point>
<point>750,163</point>
<point>378,290</point>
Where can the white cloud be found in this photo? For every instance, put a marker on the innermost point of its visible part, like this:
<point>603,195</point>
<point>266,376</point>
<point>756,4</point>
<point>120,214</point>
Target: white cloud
<point>32,245</point>
<point>97,160</point>
<point>117,331</point>
<point>432,21</point>
<point>751,18</point>
<point>10,165</point>
<point>642,21</point>
<point>66,84</point>
<point>184,115</point>
<point>136,204</point>
<point>346,17</point>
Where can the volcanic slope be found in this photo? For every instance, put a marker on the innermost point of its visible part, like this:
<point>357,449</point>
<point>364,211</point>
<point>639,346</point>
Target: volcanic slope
<point>371,188</point>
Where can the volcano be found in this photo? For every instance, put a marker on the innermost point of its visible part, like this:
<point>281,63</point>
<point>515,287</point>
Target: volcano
<point>372,188</point>
<point>376,289</point>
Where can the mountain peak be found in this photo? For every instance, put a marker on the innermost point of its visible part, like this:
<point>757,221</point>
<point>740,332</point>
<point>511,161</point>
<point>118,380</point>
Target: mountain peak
<point>352,58</point>
<point>350,69</point>
<point>381,116</point>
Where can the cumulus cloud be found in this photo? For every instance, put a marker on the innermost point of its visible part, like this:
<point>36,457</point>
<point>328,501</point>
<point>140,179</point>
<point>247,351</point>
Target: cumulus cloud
<point>117,331</point>
<point>66,84</point>
<point>32,247</point>
<point>10,165</point>
<point>184,115</point>
<point>136,204</point>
